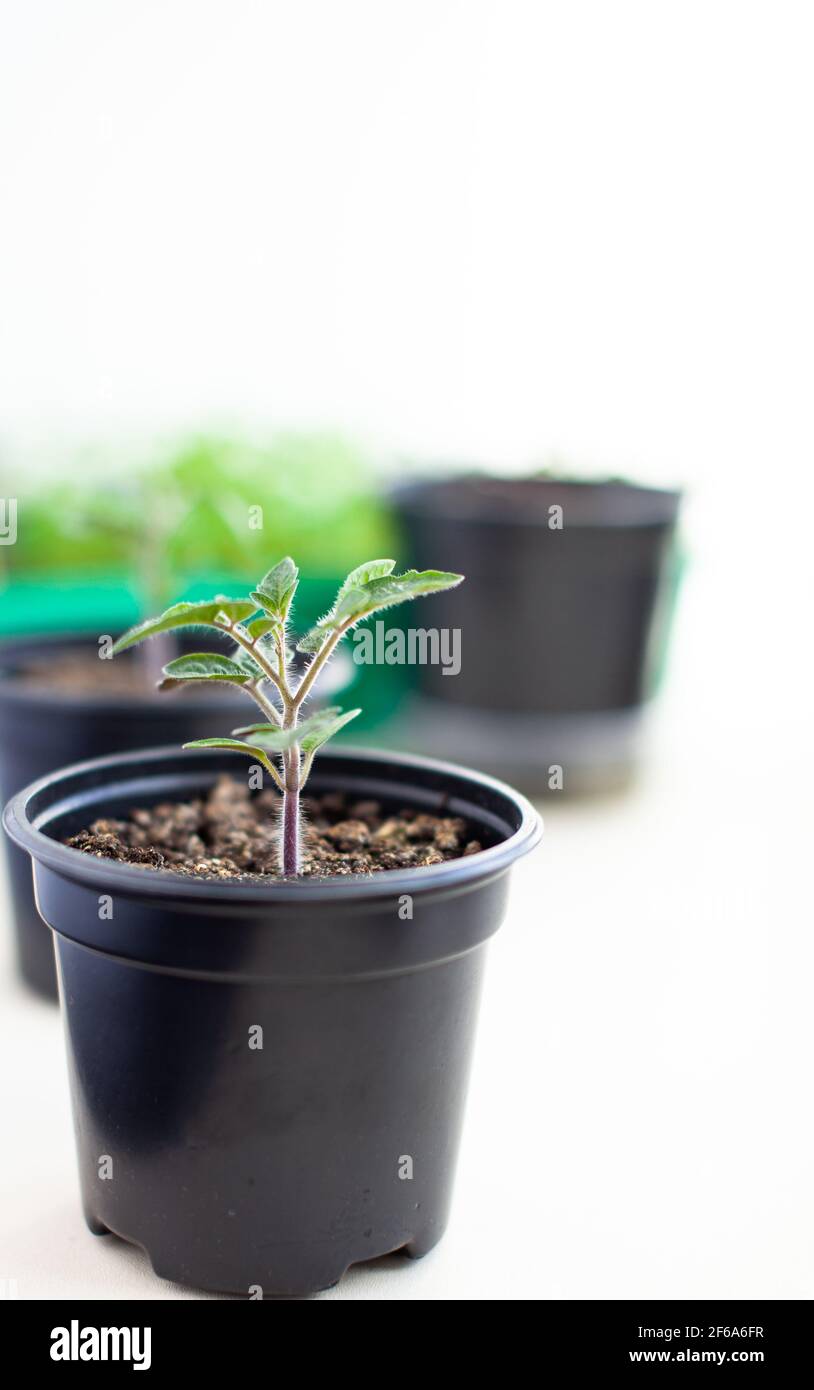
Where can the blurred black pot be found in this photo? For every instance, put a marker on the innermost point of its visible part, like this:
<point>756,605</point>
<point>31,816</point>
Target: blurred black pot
<point>563,628</point>
<point>244,1160</point>
<point>43,728</point>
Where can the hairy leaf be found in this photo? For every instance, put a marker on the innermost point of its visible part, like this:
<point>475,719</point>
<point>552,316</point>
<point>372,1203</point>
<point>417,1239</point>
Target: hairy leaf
<point>236,745</point>
<point>382,591</point>
<point>258,627</point>
<point>275,592</point>
<point>313,640</point>
<point>320,734</point>
<point>363,574</point>
<point>274,739</point>
<point>247,663</point>
<point>387,591</point>
<point>271,729</point>
<point>202,614</point>
<point>204,666</point>
<point>310,729</point>
<point>371,569</point>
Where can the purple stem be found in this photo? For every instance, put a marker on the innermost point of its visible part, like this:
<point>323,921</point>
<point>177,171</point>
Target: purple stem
<point>291,832</point>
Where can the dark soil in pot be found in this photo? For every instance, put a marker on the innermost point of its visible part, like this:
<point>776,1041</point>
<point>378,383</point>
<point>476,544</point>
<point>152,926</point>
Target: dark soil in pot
<point>269,1077</point>
<point>230,834</point>
<point>89,708</point>
<point>564,629</point>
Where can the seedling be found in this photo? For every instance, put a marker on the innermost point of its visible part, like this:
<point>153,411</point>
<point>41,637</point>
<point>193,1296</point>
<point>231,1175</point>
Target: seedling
<point>262,665</point>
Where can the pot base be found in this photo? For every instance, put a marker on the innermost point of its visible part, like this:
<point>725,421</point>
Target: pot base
<point>318,1278</point>
<point>597,752</point>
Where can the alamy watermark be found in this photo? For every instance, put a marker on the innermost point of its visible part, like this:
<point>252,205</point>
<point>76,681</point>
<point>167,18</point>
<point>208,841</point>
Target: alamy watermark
<point>378,645</point>
<point>75,1343</point>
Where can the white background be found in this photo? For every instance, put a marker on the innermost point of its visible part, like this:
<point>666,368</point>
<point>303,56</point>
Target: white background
<point>494,231</point>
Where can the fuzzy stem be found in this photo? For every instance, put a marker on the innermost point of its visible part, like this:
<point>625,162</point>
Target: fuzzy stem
<point>290,845</point>
<point>318,662</point>
<point>282,665</point>
<point>260,698</point>
<point>291,832</point>
<point>243,640</point>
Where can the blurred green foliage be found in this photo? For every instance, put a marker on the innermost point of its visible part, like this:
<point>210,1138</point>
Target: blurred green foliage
<point>207,507</point>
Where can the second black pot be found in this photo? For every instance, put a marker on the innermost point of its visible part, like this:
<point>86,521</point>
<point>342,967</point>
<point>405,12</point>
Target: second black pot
<point>269,1079</point>
<point>563,628</point>
<point>43,728</point>
<point>554,619</point>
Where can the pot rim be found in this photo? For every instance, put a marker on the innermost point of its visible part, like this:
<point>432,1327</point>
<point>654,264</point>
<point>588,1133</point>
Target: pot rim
<point>22,818</point>
<point>433,496</point>
<point>14,691</point>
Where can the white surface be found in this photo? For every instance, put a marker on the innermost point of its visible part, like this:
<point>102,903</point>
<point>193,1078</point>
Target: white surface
<point>489,228</point>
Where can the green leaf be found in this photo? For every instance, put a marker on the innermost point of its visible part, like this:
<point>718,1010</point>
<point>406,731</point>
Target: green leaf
<point>363,574</point>
<point>274,739</point>
<point>236,745</point>
<point>389,590</point>
<point>382,591</point>
<point>319,735</point>
<point>201,614</point>
<point>270,729</point>
<point>204,666</point>
<point>309,734</point>
<point>258,627</point>
<point>312,641</point>
<point>247,663</point>
<point>275,592</point>
<point>371,569</point>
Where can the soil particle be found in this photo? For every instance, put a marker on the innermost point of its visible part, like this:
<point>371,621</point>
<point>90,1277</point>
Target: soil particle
<point>230,834</point>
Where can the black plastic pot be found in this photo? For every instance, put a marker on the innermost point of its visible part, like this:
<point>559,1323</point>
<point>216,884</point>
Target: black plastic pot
<point>240,1168</point>
<point>42,729</point>
<point>562,629</point>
